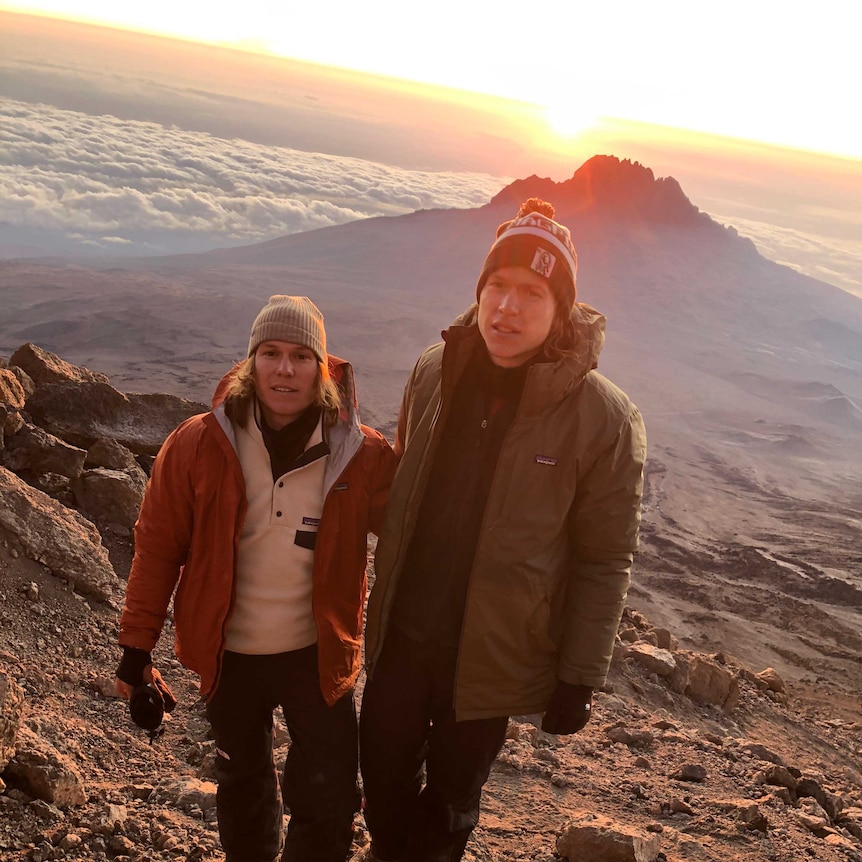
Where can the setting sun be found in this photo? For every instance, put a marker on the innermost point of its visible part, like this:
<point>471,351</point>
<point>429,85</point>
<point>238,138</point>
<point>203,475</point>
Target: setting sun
<point>656,69</point>
<point>569,119</point>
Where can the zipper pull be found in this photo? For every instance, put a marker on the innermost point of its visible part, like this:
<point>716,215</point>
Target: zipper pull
<point>484,424</point>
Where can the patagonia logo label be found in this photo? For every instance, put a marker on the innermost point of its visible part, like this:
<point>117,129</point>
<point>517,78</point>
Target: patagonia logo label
<point>311,522</point>
<point>547,460</point>
<point>341,486</point>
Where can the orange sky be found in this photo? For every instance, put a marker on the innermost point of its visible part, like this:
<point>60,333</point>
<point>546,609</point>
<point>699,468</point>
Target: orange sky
<point>775,72</point>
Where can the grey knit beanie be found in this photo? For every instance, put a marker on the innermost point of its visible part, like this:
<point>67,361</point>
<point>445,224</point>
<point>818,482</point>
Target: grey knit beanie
<point>295,319</point>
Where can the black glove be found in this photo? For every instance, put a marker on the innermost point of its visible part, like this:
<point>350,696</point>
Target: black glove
<point>149,703</point>
<point>569,708</point>
<point>147,707</point>
<point>131,667</point>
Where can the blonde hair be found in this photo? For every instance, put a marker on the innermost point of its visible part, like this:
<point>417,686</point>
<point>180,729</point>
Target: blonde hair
<point>241,392</point>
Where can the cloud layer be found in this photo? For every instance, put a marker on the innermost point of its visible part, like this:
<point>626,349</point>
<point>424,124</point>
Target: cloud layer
<point>834,261</point>
<point>114,183</point>
<point>77,182</point>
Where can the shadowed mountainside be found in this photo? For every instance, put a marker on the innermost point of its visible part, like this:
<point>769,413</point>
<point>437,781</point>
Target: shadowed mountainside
<point>690,755</point>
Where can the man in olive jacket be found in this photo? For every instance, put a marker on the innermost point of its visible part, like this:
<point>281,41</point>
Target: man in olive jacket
<point>504,561</point>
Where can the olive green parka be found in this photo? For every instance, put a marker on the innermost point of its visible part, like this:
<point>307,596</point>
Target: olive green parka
<point>554,555</point>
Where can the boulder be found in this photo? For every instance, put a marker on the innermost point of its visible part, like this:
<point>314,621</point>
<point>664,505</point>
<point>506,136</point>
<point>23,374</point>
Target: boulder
<point>10,422</point>
<point>748,814</point>
<point>114,496</point>
<point>43,367</point>
<point>666,640</point>
<point>111,454</point>
<point>813,817</point>
<point>593,837</point>
<point>771,680</point>
<point>82,413</point>
<point>186,794</point>
<point>694,772</point>
<point>25,380</point>
<point>37,451</point>
<point>777,776</point>
<point>851,820</point>
<point>653,658</point>
<point>113,819</point>
<point>620,733</point>
<point>44,772</point>
<point>762,752</point>
<point>11,390</point>
<point>678,680</point>
<point>832,804</point>
<point>52,484</point>
<point>710,682</point>
<point>58,537</point>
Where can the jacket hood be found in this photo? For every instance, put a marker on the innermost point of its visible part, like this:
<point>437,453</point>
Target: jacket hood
<point>587,336</point>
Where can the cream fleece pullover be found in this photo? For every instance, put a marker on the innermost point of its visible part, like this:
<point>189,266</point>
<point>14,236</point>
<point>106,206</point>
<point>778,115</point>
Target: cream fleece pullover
<point>272,611</point>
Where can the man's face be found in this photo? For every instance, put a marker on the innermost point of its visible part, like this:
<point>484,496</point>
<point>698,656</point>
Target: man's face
<point>285,378</point>
<point>516,310</point>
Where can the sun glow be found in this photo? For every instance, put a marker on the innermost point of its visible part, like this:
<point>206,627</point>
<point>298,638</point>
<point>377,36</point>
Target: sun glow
<point>661,68</point>
<point>570,120</point>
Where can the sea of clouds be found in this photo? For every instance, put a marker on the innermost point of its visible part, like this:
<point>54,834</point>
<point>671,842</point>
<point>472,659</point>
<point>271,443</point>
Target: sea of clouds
<point>836,261</point>
<point>75,183</point>
<point>95,183</point>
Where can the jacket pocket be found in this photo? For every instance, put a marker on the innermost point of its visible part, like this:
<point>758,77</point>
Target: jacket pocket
<point>306,539</point>
<point>539,626</point>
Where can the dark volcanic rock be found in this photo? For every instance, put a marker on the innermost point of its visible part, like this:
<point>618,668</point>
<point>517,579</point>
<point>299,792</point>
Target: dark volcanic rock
<point>82,413</point>
<point>111,495</point>
<point>108,453</point>
<point>34,449</point>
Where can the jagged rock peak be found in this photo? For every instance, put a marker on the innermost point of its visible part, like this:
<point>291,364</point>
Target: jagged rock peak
<point>615,168</point>
<point>607,185</point>
<point>611,177</point>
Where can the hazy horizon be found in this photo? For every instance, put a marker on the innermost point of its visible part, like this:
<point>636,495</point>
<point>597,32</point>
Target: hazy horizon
<point>126,144</point>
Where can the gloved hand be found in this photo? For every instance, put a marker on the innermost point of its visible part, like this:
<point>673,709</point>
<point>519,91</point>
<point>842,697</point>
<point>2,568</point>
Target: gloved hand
<point>569,708</point>
<point>149,696</point>
<point>164,690</point>
<point>132,670</point>
<point>150,701</point>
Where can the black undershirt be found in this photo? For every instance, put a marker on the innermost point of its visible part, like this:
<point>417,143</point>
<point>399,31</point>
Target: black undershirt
<point>287,445</point>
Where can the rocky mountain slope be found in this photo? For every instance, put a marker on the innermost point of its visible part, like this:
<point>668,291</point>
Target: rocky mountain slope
<point>690,755</point>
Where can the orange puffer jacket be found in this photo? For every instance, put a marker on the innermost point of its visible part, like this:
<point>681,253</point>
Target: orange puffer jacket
<point>187,538</point>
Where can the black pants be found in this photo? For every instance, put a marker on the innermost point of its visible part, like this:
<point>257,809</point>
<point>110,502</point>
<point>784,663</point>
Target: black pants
<point>319,783</point>
<point>407,720</point>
